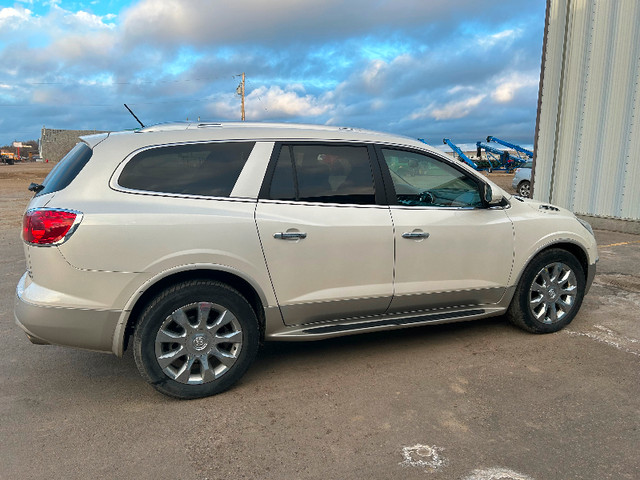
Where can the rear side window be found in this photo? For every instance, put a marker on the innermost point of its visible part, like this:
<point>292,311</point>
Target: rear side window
<point>210,169</point>
<point>323,173</point>
<point>67,169</point>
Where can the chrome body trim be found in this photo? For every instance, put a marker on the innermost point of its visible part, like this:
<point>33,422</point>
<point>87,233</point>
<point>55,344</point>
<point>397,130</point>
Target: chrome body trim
<point>289,235</point>
<point>415,235</point>
<point>321,331</point>
<point>313,312</point>
<point>426,301</point>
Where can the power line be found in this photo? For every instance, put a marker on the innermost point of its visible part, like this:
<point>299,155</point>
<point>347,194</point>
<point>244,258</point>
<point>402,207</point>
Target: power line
<point>106,84</point>
<point>259,97</point>
<point>88,105</point>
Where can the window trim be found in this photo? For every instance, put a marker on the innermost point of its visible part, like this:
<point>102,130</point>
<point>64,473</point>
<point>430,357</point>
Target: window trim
<point>379,187</point>
<point>392,199</point>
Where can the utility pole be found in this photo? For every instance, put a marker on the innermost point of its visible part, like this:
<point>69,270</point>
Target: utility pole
<point>240,91</point>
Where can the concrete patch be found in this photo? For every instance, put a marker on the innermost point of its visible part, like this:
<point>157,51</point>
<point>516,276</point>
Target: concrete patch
<point>630,283</point>
<point>609,337</point>
<point>496,474</point>
<point>423,456</point>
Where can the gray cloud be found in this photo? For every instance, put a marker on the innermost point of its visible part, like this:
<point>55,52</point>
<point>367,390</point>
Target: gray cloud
<point>427,69</point>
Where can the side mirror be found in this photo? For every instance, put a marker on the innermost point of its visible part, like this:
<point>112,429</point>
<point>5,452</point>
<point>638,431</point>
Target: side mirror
<point>491,198</point>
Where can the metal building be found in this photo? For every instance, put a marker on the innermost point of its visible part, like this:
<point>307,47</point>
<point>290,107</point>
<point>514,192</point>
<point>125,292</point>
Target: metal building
<point>587,139</point>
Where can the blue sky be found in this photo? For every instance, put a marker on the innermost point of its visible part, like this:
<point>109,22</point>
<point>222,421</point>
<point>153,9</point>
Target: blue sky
<point>462,69</point>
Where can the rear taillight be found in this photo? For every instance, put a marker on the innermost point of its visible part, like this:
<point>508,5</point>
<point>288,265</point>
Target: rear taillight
<point>46,227</point>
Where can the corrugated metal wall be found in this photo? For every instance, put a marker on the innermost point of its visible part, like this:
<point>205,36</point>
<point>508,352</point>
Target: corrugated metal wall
<point>588,131</point>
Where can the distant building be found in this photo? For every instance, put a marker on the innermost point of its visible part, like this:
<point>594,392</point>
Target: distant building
<point>54,144</point>
<point>587,152</point>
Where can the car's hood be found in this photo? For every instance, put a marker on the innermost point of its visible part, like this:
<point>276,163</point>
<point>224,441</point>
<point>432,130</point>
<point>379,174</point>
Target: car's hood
<point>542,207</point>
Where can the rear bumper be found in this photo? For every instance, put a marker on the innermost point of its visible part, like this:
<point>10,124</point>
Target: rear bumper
<point>72,327</point>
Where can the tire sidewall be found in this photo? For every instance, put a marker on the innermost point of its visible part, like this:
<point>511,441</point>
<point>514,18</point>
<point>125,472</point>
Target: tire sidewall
<point>171,300</point>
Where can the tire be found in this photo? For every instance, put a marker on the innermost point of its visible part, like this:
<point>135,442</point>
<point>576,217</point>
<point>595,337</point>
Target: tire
<point>524,188</point>
<point>177,343</point>
<point>549,294</point>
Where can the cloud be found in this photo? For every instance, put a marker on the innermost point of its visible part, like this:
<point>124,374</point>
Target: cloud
<point>505,37</point>
<point>507,89</point>
<point>272,103</point>
<point>11,19</point>
<point>450,110</point>
<point>89,21</point>
<point>407,66</point>
<point>74,49</point>
<point>171,22</point>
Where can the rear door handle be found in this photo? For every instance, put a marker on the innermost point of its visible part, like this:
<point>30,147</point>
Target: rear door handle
<point>415,235</point>
<point>290,235</point>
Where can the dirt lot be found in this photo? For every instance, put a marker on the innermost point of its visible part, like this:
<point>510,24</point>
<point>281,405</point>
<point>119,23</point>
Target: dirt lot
<point>14,196</point>
<point>479,400</point>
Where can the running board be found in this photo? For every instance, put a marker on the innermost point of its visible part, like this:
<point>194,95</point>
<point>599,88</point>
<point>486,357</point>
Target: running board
<point>329,330</point>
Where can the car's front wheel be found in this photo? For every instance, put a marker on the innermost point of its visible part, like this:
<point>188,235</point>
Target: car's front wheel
<point>549,294</point>
<point>195,339</point>
<point>524,189</point>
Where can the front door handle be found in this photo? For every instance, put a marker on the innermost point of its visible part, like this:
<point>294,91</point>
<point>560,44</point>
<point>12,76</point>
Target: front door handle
<point>415,235</point>
<point>290,235</point>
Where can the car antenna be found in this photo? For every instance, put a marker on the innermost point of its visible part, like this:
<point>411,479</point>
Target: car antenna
<point>134,115</point>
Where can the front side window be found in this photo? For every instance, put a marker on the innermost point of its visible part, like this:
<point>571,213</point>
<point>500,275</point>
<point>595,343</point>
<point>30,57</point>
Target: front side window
<point>420,180</point>
<point>208,169</point>
<point>323,173</point>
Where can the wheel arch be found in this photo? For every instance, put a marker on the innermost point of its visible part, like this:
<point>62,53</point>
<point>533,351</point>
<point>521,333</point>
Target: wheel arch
<point>518,312</point>
<point>571,247</point>
<point>252,293</point>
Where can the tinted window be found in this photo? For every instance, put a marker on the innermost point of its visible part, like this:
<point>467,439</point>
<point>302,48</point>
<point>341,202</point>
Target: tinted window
<point>201,169</point>
<point>323,173</point>
<point>67,169</point>
<point>282,184</point>
<point>420,180</point>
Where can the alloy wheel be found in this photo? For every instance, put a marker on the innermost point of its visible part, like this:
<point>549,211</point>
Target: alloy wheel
<point>198,343</point>
<point>553,293</point>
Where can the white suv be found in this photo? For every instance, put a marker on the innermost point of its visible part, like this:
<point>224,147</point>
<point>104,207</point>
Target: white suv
<point>192,243</point>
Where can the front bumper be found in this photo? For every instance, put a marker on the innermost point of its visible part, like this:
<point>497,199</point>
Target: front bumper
<point>591,273</point>
<point>72,327</point>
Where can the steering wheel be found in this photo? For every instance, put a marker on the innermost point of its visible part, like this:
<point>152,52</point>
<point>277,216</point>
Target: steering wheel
<point>427,197</point>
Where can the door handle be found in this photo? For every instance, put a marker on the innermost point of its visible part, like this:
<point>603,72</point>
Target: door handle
<point>290,235</point>
<point>415,235</point>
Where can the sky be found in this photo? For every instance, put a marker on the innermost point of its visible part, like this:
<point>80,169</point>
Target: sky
<point>461,69</point>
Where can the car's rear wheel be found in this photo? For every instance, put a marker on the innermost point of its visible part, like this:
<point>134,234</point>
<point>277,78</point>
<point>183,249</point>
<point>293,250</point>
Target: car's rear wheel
<point>524,188</point>
<point>549,294</point>
<point>196,339</point>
